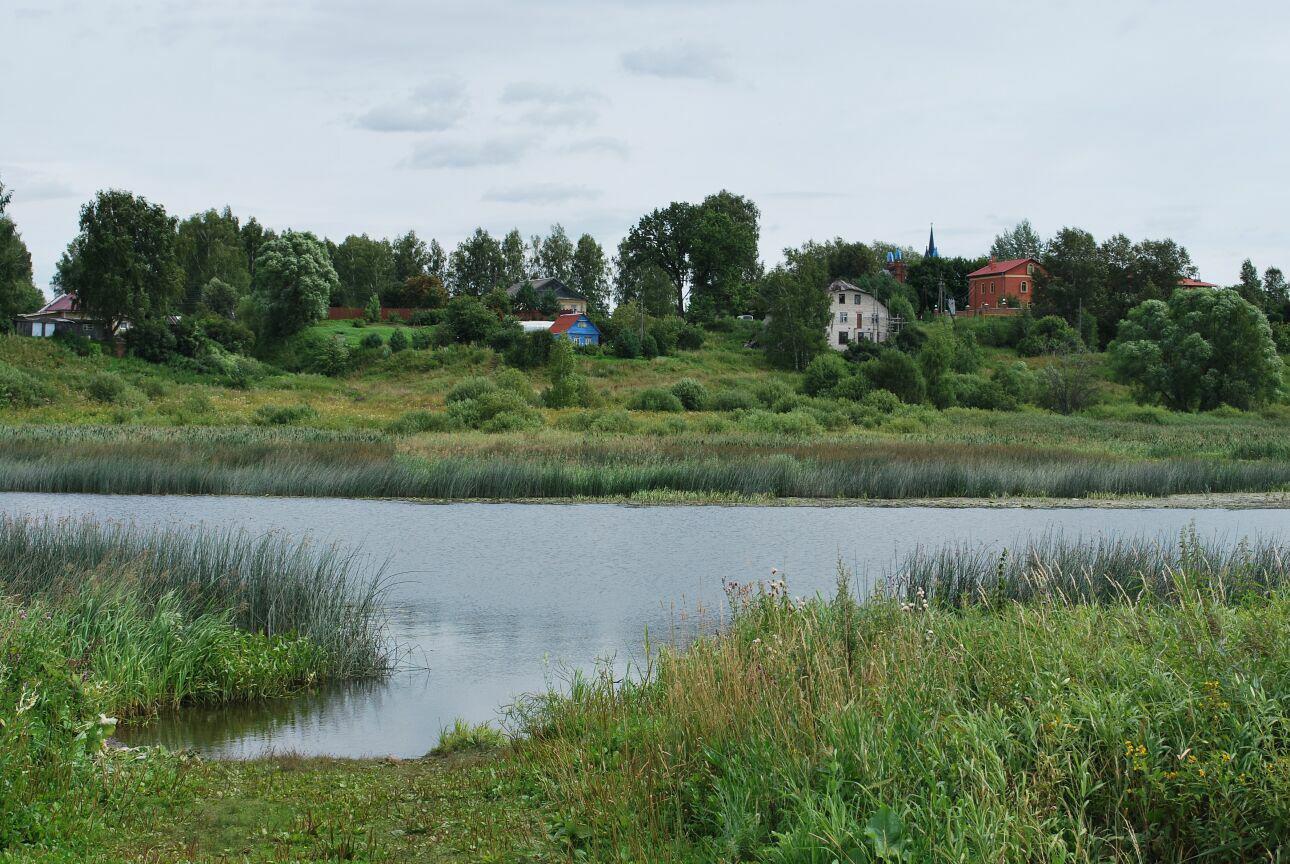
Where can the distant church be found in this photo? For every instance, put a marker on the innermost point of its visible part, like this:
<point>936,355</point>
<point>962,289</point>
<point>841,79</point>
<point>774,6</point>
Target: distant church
<point>896,259</point>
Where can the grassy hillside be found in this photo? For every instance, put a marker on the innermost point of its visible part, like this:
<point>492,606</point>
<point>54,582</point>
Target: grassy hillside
<point>457,421</point>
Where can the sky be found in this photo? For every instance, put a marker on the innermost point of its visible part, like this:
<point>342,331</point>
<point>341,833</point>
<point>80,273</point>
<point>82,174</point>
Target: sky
<point>858,120</point>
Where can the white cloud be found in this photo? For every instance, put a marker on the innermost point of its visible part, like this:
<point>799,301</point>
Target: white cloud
<point>432,107</point>
<point>551,105</point>
<point>468,154</point>
<point>33,185</point>
<point>678,61</point>
<point>541,193</point>
<point>600,144</point>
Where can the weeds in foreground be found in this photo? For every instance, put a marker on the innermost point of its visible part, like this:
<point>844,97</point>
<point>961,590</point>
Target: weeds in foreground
<point>1146,726</point>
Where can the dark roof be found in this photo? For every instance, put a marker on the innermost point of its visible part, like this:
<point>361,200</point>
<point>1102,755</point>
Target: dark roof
<point>844,285</point>
<point>545,284</point>
<point>994,268</point>
<point>61,303</point>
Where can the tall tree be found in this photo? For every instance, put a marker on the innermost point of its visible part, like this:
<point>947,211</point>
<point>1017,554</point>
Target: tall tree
<point>122,263</point>
<point>556,256</point>
<point>1275,295</point>
<point>411,257</point>
<point>294,279</point>
<point>476,265</point>
<point>18,294</point>
<point>209,246</point>
<point>797,306</point>
<point>1020,242</point>
<point>1249,285</point>
<point>364,267</point>
<point>723,255</point>
<point>254,235</point>
<point>928,276</point>
<point>515,268</point>
<point>1073,276</point>
<point>437,264</point>
<point>662,240</point>
<point>590,275</point>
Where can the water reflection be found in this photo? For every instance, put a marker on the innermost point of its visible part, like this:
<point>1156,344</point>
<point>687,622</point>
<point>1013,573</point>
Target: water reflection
<point>496,600</point>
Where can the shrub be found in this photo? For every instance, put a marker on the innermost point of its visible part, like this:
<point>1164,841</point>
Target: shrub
<point>425,317</point>
<point>772,390</point>
<point>650,347</point>
<point>896,372</point>
<point>1049,335</point>
<point>371,340</point>
<point>976,391</point>
<point>852,387</point>
<point>968,355</point>
<point>398,341</point>
<point>468,320</point>
<point>470,388</point>
<point>372,311</point>
<point>861,350</point>
<point>112,390</point>
<point>612,422</point>
<point>794,423</point>
<point>151,339</point>
<point>79,345</point>
<point>1017,381</point>
<point>910,339</point>
<point>627,345</point>
<point>284,415</point>
<point>690,338</point>
<point>20,389</point>
<point>568,388</point>
<point>412,422</point>
<point>463,737</point>
<point>421,339</point>
<point>229,335</point>
<point>693,395</point>
<point>516,382</point>
<point>655,399</point>
<point>395,318</point>
<point>495,411</point>
<point>823,373</point>
<point>317,353</point>
<point>1068,384</point>
<point>733,399</point>
<point>882,401</point>
<point>189,337</point>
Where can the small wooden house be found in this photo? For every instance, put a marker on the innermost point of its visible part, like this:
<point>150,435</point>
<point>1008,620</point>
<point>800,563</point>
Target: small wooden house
<point>577,328</point>
<point>60,315</point>
<point>562,297</point>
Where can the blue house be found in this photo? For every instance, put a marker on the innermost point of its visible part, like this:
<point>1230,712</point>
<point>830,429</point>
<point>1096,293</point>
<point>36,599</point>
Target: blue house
<point>577,328</point>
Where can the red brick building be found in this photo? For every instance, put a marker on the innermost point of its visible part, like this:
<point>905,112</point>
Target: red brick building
<point>1002,283</point>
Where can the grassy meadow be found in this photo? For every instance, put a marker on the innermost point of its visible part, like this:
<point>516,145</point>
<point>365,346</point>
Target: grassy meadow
<point>1066,701</point>
<point>456,422</point>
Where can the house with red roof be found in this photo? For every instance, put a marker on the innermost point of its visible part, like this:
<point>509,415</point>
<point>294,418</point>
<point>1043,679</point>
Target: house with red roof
<point>1195,283</point>
<point>574,326</point>
<point>1002,284</point>
<point>60,315</point>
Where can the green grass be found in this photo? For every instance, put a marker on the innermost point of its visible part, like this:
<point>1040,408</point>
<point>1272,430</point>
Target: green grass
<point>1149,727</point>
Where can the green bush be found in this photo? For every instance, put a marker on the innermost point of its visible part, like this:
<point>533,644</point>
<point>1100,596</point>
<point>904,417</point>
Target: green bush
<point>733,399</point>
<point>516,382</point>
<point>425,317</point>
<point>79,345</point>
<point>494,410</point>
<point>771,391</point>
<point>1018,382</point>
<point>421,339</point>
<point>412,422</point>
<point>470,388</point>
<point>112,389</point>
<point>655,399</point>
<point>468,320</point>
<point>690,338</point>
<point>1049,335</point>
<point>896,372</point>
<point>463,737</point>
<point>976,391</point>
<point>371,340</point>
<point>372,311</point>
<point>316,353</point>
<point>284,415</point>
<point>852,387</point>
<point>398,341</point>
<point>693,395</point>
<point>568,389</point>
<point>229,335</point>
<point>796,424</point>
<point>20,389</point>
<point>627,345</point>
<point>612,422</point>
<point>823,373</point>
<point>151,339</point>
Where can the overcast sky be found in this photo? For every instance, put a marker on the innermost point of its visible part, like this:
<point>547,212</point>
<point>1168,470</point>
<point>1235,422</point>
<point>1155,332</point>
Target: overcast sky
<point>852,119</point>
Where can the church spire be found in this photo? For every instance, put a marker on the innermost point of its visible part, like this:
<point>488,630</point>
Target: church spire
<point>931,243</point>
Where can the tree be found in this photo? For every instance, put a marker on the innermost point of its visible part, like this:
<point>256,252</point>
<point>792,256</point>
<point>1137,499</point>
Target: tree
<point>648,286</point>
<point>18,294</point>
<point>661,240</point>
<point>1276,299</point>
<point>422,292</point>
<point>927,277</point>
<point>209,246</point>
<point>372,310</point>
<point>468,319</point>
<point>364,267</point>
<point>411,257</point>
<point>295,279</point>
<point>1069,383</point>
<point>437,262</point>
<point>556,255</point>
<point>723,255</point>
<point>589,275</point>
<point>1021,242</point>
<point>798,308</point>
<point>122,265</point>
<point>515,266</point>
<point>253,236</point>
<point>896,372</point>
<point>1073,276</point>
<point>1201,349</point>
<point>476,265</point>
<point>220,298</point>
<point>1249,286</point>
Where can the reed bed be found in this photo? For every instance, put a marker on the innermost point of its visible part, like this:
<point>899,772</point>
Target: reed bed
<point>270,585</point>
<point>1147,728</point>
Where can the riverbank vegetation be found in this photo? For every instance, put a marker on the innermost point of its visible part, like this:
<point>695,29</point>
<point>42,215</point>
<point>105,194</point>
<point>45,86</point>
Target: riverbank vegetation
<point>1067,700</point>
<point>106,622</point>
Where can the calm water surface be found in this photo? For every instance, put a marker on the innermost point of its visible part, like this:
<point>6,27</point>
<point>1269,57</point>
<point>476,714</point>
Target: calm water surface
<point>497,600</point>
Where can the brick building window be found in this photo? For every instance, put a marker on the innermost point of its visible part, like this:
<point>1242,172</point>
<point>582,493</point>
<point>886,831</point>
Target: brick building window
<point>843,337</point>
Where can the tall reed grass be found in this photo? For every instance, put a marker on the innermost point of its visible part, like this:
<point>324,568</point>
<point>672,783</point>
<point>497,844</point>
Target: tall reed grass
<point>270,584</point>
<point>1146,728</point>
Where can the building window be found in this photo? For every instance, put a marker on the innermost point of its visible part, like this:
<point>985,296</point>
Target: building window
<point>842,298</point>
<point>1030,269</point>
<point>1023,287</point>
<point>842,316</point>
<point>843,336</point>
<point>991,287</point>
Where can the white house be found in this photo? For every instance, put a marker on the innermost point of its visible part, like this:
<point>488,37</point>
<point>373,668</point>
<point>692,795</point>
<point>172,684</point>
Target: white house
<point>857,314</point>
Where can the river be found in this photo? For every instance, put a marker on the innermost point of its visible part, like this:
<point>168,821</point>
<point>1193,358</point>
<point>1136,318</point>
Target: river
<point>495,600</point>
